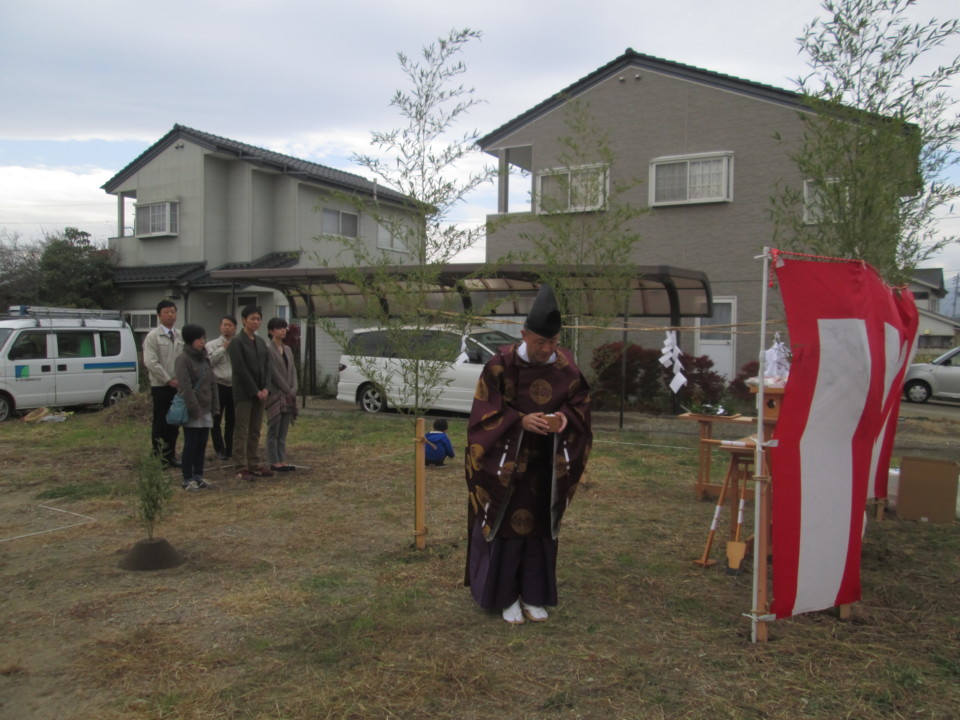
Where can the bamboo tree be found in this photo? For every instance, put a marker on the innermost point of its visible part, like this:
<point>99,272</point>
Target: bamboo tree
<point>424,160</point>
<point>153,492</point>
<point>878,138</point>
<point>584,218</point>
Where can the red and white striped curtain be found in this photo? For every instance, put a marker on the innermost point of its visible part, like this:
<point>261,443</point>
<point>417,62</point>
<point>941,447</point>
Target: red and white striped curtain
<point>852,339</point>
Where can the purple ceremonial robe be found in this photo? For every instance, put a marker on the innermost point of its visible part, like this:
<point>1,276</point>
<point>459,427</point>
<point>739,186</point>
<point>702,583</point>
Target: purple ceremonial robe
<point>520,483</point>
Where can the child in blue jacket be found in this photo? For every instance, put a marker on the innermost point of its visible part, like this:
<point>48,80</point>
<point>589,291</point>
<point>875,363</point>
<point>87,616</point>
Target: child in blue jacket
<point>438,447</point>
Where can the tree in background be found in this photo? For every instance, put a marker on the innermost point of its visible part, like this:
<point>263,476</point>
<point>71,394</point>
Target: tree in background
<point>878,141</point>
<point>584,219</point>
<point>76,273</point>
<point>19,270</point>
<point>425,160</point>
<point>65,269</point>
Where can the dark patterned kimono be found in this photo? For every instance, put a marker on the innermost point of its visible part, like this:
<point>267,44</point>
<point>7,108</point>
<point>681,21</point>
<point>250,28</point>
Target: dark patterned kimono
<point>520,483</point>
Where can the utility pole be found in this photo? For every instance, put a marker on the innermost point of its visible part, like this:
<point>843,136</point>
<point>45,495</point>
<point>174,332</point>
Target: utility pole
<point>956,284</point>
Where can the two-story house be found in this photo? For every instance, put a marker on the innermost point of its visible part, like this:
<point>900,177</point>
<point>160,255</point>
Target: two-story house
<point>935,331</point>
<point>194,202</point>
<point>709,151</point>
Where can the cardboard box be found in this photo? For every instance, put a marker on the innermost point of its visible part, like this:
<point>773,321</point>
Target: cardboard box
<point>928,490</point>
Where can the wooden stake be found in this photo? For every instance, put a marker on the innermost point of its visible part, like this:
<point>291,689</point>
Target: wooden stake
<point>761,551</point>
<point>419,495</point>
<point>881,506</point>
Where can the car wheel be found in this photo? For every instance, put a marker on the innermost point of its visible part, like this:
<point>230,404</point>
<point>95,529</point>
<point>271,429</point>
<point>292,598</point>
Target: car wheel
<point>6,407</point>
<point>115,395</point>
<point>371,400</point>
<point>917,391</point>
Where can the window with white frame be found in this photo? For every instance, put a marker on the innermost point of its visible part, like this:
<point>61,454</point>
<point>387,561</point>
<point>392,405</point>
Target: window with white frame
<point>686,179</point>
<point>813,201</point>
<point>283,312</point>
<point>576,189</point>
<point>338,222</point>
<point>141,320</point>
<point>158,218</point>
<point>388,238</point>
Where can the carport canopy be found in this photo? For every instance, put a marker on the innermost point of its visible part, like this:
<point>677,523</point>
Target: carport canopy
<point>655,290</point>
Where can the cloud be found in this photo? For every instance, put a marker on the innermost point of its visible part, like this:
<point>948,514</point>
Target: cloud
<point>334,146</point>
<point>311,80</point>
<point>34,200</point>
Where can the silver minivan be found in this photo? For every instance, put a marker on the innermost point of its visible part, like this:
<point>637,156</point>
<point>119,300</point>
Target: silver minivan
<point>53,357</point>
<point>381,351</point>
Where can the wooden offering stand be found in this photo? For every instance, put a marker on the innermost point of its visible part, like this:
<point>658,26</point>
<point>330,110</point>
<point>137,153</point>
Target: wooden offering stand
<point>739,472</point>
<point>704,488</point>
<point>740,467</point>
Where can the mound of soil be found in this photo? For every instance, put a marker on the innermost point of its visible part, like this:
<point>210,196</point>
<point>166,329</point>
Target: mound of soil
<point>152,554</point>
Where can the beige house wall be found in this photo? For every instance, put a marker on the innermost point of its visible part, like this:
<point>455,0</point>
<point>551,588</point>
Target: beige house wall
<point>175,175</point>
<point>236,205</point>
<point>232,211</point>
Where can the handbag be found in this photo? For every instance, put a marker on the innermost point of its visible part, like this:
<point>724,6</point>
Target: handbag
<point>178,414</point>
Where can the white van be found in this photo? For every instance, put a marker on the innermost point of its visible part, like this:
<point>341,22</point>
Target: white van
<point>55,357</point>
<point>381,350</point>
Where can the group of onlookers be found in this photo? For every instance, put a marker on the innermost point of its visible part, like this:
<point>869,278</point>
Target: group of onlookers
<point>228,385</point>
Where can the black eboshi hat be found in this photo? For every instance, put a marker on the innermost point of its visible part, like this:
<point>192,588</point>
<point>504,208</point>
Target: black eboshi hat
<point>544,316</point>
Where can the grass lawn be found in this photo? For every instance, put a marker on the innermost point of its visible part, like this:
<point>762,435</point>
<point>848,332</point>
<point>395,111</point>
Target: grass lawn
<point>302,595</point>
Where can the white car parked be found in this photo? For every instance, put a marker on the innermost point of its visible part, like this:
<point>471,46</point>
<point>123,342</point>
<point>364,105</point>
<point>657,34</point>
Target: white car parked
<point>382,351</point>
<point>52,357</point>
<point>937,379</point>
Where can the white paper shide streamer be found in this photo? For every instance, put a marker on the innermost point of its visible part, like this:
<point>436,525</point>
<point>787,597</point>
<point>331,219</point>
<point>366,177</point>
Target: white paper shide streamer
<point>671,355</point>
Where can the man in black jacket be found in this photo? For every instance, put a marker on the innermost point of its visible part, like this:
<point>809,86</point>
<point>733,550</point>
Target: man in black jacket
<point>249,359</point>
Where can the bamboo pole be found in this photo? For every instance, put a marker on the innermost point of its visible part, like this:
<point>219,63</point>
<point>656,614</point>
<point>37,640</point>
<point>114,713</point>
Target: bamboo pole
<point>419,495</point>
<point>758,630</point>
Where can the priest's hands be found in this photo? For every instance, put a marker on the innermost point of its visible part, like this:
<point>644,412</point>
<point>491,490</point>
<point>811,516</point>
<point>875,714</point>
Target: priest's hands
<point>540,424</point>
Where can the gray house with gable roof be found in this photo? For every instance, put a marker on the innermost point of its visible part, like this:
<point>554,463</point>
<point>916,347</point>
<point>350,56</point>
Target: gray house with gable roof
<point>705,147</point>
<point>195,202</point>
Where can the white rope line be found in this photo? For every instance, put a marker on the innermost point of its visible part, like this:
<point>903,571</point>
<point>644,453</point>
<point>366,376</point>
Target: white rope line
<point>87,520</point>
<point>670,447</point>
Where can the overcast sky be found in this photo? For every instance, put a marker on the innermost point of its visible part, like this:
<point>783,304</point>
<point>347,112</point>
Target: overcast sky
<point>87,86</point>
